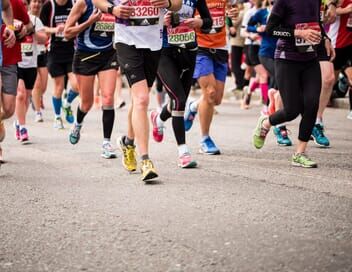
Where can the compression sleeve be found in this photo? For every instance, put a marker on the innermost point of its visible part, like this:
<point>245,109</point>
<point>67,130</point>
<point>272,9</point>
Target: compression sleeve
<point>204,14</point>
<point>274,28</point>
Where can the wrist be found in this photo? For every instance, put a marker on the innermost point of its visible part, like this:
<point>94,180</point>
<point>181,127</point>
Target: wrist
<point>110,9</point>
<point>11,27</point>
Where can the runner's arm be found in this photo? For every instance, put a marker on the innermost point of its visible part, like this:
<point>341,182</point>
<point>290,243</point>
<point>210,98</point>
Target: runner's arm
<point>39,31</point>
<point>7,14</point>
<point>204,14</point>
<point>72,29</point>
<point>45,18</point>
<point>275,29</point>
<point>252,24</point>
<point>345,10</point>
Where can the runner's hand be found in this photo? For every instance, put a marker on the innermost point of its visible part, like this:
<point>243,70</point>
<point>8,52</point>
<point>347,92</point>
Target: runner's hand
<point>9,38</point>
<point>261,29</point>
<point>330,51</point>
<point>167,18</point>
<point>95,16</point>
<point>330,15</point>
<point>23,32</point>
<point>233,13</point>
<point>60,29</point>
<point>194,22</point>
<point>123,11</point>
<point>160,3</point>
<point>309,35</point>
<point>253,36</point>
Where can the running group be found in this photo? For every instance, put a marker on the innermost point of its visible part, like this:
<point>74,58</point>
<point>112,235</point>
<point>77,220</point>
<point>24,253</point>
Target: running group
<point>294,51</point>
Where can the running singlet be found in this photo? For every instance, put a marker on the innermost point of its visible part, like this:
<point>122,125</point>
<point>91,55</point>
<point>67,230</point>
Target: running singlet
<point>97,37</point>
<point>144,27</point>
<point>53,15</point>
<point>182,35</point>
<point>300,14</point>
<point>340,32</point>
<point>216,36</point>
<point>29,47</point>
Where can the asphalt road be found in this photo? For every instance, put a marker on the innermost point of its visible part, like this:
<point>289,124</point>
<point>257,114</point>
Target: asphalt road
<point>64,208</point>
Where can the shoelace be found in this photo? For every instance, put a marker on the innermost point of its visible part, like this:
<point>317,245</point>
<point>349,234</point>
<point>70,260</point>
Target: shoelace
<point>147,164</point>
<point>209,143</point>
<point>76,130</point>
<point>320,130</point>
<point>129,154</point>
<point>284,132</point>
<point>263,132</point>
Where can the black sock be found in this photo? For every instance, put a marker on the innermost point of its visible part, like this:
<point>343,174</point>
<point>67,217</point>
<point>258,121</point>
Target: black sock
<point>80,115</point>
<point>245,82</point>
<point>179,129</point>
<point>128,141</point>
<point>165,114</point>
<point>145,157</point>
<point>108,122</point>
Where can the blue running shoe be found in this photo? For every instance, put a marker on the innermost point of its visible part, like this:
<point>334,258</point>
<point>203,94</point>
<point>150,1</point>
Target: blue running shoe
<point>319,137</point>
<point>69,115</point>
<point>282,136</point>
<point>207,146</point>
<point>75,134</point>
<point>189,117</point>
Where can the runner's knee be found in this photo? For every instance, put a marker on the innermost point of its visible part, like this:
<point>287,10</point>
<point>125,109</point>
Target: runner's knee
<point>141,101</point>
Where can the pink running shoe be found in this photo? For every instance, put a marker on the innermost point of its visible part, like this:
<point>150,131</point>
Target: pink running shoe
<point>185,161</point>
<point>17,131</point>
<point>158,132</point>
<point>271,107</point>
<point>24,135</point>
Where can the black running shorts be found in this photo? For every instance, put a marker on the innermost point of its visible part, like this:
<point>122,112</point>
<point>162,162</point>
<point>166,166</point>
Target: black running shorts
<point>42,60</point>
<point>138,64</point>
<point>91,63</point>
<point>343,57</point>
<point>28,75</point>
<point>58,69</point>
<point>251,52</point>
<point>321,52</point>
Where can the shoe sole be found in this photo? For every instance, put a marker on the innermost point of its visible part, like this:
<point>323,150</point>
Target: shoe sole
<point>109,157</point>
<point>209,153</point>
<point>150,175</point>
<point>25,142</point>
<point>192,164</point>
<point>303,166</point>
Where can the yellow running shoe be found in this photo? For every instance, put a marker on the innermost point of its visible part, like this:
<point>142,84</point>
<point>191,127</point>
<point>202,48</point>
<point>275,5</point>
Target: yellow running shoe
<point>129,156</point>
<point>148,170</point>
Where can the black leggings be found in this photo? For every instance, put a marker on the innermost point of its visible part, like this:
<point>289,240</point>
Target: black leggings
<point>299,85</point>
<point>236,61</point>
<point>176,67</point>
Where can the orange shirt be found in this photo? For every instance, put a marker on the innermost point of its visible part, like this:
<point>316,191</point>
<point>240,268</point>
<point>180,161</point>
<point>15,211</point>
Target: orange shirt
<point>216,38</point>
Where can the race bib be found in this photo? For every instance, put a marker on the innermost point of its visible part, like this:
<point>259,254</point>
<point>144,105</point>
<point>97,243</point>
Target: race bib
<point>106,25</point>
<point>27,46</point>
<point>144,13</point>
<point>180,35</point>
<point>302,45</point>
<point>59,36</point>
<point>218,16</point>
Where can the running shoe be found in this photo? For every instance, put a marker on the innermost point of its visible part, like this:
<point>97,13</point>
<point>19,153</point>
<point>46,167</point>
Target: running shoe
<point>38,117</point>
<point>1,157</point>
<point>271,107</point>
<point>319,136</point>
<point>207,146</point>
<point>75,134</point>
<point>246,98</point>
<point>282,136</point>
<point>129,156</point>
<point>349,116</point>
<point>260,133</point>
<point>24,135</point>
<point>17,130</point>
<point>68,114</point>
<point>148,171</point>
<point>107,151</point>
<point>158,131</point>
<point>58,123</point>
<point>2,130</point>
<point>302,160</point>
<point>189,116</point>
<point>185,161</point>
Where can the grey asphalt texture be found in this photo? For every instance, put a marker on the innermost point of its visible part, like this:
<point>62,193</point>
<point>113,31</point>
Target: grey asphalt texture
<point>64,208</point>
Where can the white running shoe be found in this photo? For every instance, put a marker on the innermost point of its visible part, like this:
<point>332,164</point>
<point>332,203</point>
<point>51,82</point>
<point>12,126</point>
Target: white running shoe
<point>108,152</point>
<point>58,123</point>
<point>38,117</point>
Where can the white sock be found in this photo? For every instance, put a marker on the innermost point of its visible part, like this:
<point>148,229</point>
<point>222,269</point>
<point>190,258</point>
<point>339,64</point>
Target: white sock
<point>194,106</point>
<point>22,126</point>
<point>182,149</point>
<point>319,121</point>
<point>159,122</point>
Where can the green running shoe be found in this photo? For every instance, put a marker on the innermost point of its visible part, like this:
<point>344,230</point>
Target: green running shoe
<point>302,160</point>
<point>260,133</point>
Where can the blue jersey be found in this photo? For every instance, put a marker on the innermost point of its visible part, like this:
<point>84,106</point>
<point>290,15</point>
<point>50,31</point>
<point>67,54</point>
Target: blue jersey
<point>268,43</point>
<point>182,35</point>
<point>98,37</point>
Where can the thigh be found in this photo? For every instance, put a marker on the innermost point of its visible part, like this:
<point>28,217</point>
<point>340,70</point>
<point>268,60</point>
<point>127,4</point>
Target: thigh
<point>151,63</point>
<point>9,79</point>
<point>288,79</point>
